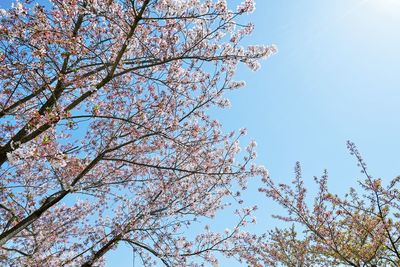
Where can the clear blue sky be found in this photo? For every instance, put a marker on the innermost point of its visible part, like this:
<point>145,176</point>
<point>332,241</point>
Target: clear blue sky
<point>336,77</point>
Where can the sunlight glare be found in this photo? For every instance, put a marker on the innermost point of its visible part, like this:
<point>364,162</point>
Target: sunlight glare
<point>388,7</point>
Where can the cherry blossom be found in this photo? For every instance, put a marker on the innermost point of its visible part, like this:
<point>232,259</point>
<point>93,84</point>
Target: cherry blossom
<point>359,229</point>
<point>106,135</point>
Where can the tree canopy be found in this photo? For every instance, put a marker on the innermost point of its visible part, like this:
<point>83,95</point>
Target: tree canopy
<point>105,135</point>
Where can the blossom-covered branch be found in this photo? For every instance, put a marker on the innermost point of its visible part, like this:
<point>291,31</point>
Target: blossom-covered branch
<point>360,229</point>
<point>105,136</point>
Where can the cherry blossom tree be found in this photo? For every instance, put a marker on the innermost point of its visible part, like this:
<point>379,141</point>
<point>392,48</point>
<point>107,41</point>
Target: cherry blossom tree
<point>360,229</point>
<point>106,135</point>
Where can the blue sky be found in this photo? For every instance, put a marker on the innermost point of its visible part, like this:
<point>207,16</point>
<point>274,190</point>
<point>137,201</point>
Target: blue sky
<point>336,78</point>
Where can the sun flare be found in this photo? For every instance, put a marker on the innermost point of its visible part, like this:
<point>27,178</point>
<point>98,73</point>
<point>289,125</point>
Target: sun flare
<point>388,6</point>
